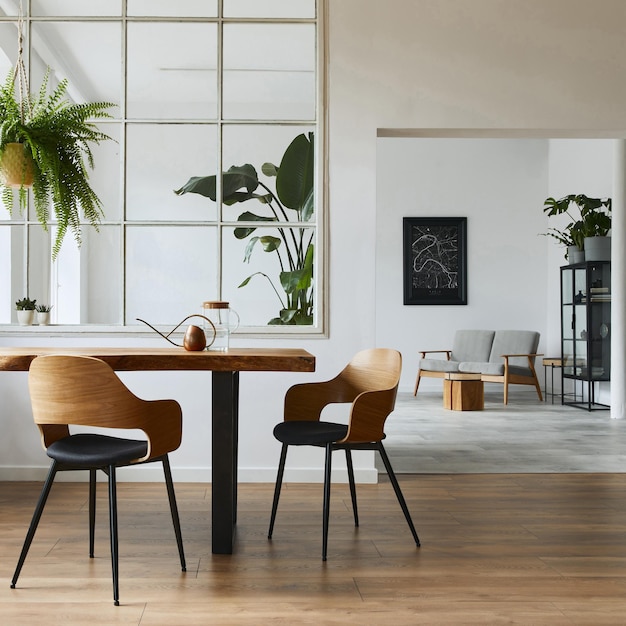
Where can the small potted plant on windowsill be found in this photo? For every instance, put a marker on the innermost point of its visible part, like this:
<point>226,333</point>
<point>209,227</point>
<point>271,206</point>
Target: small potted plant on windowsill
<point>25,311</point>
<point>43,314</point>
<point>586,238</point>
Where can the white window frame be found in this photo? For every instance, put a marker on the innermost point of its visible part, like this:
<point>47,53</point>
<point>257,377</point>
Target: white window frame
<point>319,329</point>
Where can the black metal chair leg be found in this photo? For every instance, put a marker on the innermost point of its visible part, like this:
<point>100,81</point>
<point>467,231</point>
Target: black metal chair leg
<point>279,482</point>
<point>326,513</point>
<point>396,488</point>
<point>41,503</point>
<point>174,510</point>
<point>352,485</point>
<point>92,511</point>
<point>114,541</point>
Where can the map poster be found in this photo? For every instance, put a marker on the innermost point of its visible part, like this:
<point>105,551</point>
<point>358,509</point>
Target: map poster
<point>435,260</point>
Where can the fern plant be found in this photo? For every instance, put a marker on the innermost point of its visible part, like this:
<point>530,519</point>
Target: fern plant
<point>56,135</point>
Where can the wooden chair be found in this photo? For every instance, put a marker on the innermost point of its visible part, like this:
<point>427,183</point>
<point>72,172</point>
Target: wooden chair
<point>84,391</point>
<point>370,383</point>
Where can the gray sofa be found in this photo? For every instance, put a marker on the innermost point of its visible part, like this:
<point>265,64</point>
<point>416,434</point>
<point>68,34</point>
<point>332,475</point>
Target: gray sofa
<point>501,356</point>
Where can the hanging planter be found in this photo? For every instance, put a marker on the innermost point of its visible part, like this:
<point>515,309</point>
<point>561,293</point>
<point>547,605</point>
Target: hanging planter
<point>16,166</point>
<point>57,136</point>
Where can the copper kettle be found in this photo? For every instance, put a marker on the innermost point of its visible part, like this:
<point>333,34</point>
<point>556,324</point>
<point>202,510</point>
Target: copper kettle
<point>194,339</point>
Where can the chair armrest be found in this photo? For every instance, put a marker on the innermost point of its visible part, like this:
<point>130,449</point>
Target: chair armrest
<point>368,415</point>
<point>425,352</point>
<point>529,356</point>
<point>162,421</point>
<point>305,401</point>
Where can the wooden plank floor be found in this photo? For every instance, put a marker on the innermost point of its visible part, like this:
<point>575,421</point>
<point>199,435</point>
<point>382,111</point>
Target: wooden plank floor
<point>527,549</point>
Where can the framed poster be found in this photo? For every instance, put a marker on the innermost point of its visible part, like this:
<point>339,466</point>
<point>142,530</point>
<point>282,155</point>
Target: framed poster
<point>435,260</point>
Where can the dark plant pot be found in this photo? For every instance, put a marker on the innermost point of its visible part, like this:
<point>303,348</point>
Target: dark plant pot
<point>597,248</point>
<point>575,255</point>
<point>16,166</point>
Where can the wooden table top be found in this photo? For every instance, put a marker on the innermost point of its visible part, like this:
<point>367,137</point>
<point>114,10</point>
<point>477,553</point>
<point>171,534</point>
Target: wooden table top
<point>18,359</point>
<point>555,361</point>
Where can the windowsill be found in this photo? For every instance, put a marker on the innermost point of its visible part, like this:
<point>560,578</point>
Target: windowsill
<point>60,330</point>
<point>103,331</point>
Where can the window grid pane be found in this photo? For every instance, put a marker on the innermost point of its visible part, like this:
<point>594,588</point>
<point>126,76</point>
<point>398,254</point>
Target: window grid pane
<point>158,254</point>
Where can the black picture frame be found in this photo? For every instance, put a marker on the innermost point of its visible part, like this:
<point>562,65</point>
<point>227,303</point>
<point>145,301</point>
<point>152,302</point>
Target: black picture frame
<point>435,260</point>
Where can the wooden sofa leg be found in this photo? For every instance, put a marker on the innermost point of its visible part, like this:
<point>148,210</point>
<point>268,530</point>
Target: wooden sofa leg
<point>417,382</point>
<point>537,385</point>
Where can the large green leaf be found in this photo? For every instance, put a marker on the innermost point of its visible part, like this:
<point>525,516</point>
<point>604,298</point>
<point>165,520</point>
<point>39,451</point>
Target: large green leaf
<point>308,207</point>
<point>246,216</point>
<point>291,317</point>
<point>236,178</point>
<point>268,243</point>
<point>300,279</point>
<point>294,180</point>
<point>269,169</point>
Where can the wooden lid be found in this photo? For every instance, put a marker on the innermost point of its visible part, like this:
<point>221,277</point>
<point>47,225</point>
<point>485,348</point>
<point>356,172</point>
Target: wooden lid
<point>215,304</point>
<point>555,361</point>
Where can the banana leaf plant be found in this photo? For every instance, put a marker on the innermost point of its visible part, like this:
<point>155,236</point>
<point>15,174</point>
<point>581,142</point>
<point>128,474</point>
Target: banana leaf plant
<point>292,201</point>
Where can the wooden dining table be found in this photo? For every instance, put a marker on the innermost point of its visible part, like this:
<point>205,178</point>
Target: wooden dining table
<point>224,368</point>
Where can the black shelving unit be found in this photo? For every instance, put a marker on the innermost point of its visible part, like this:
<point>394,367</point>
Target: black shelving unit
<point>585,331</point>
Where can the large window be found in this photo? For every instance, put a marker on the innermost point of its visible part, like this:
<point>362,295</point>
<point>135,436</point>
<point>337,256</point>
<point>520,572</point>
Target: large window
<point>199,86</point>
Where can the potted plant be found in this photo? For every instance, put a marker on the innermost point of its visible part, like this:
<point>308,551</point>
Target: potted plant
<point>43,314</point>
<point>581,235</point>
<point>293,201</point>
<point>25,311</point>
<point>47,140</point>
<point>596,218</point>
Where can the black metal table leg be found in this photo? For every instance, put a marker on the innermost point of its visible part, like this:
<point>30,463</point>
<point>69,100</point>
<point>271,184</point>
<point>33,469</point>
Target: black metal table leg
<point>225,421</point>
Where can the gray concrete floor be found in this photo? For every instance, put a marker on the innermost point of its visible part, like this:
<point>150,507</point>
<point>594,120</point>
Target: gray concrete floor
<point>525,436</point>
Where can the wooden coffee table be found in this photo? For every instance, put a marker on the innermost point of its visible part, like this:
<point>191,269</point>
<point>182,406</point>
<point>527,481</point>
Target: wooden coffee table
<point>463,392</point>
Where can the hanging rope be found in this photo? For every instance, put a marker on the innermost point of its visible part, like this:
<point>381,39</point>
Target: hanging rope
<point>19,73</point>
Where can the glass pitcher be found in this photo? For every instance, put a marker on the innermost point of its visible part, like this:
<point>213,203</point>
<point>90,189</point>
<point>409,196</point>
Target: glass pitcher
<point>225,320</point>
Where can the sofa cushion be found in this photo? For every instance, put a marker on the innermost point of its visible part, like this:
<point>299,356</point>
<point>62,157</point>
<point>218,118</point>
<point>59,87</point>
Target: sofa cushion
<point>492,369</point>
<point>477,367</point>
<point>439,365</point>
<point>472,345</point>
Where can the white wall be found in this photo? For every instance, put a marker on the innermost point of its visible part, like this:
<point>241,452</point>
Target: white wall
<point>575,166</point>
<point>524,64</point>
<point>500,186</point>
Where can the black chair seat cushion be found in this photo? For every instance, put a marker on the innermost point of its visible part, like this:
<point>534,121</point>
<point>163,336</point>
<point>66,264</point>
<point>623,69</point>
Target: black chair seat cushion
<point>86,450</point>
<point>308,433</point>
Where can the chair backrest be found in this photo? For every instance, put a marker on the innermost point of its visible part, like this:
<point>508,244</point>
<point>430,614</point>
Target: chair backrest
<point>370,382</point>
<point>472,345</point>
<point>514,342</point>
<point>84,391</point>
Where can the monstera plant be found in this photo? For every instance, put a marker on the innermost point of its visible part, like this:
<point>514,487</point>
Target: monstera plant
<point>593,219</point>
<point>292,201</point>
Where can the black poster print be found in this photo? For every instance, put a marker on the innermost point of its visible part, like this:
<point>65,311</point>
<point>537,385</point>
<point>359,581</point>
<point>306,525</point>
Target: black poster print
<point>435,260</point>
